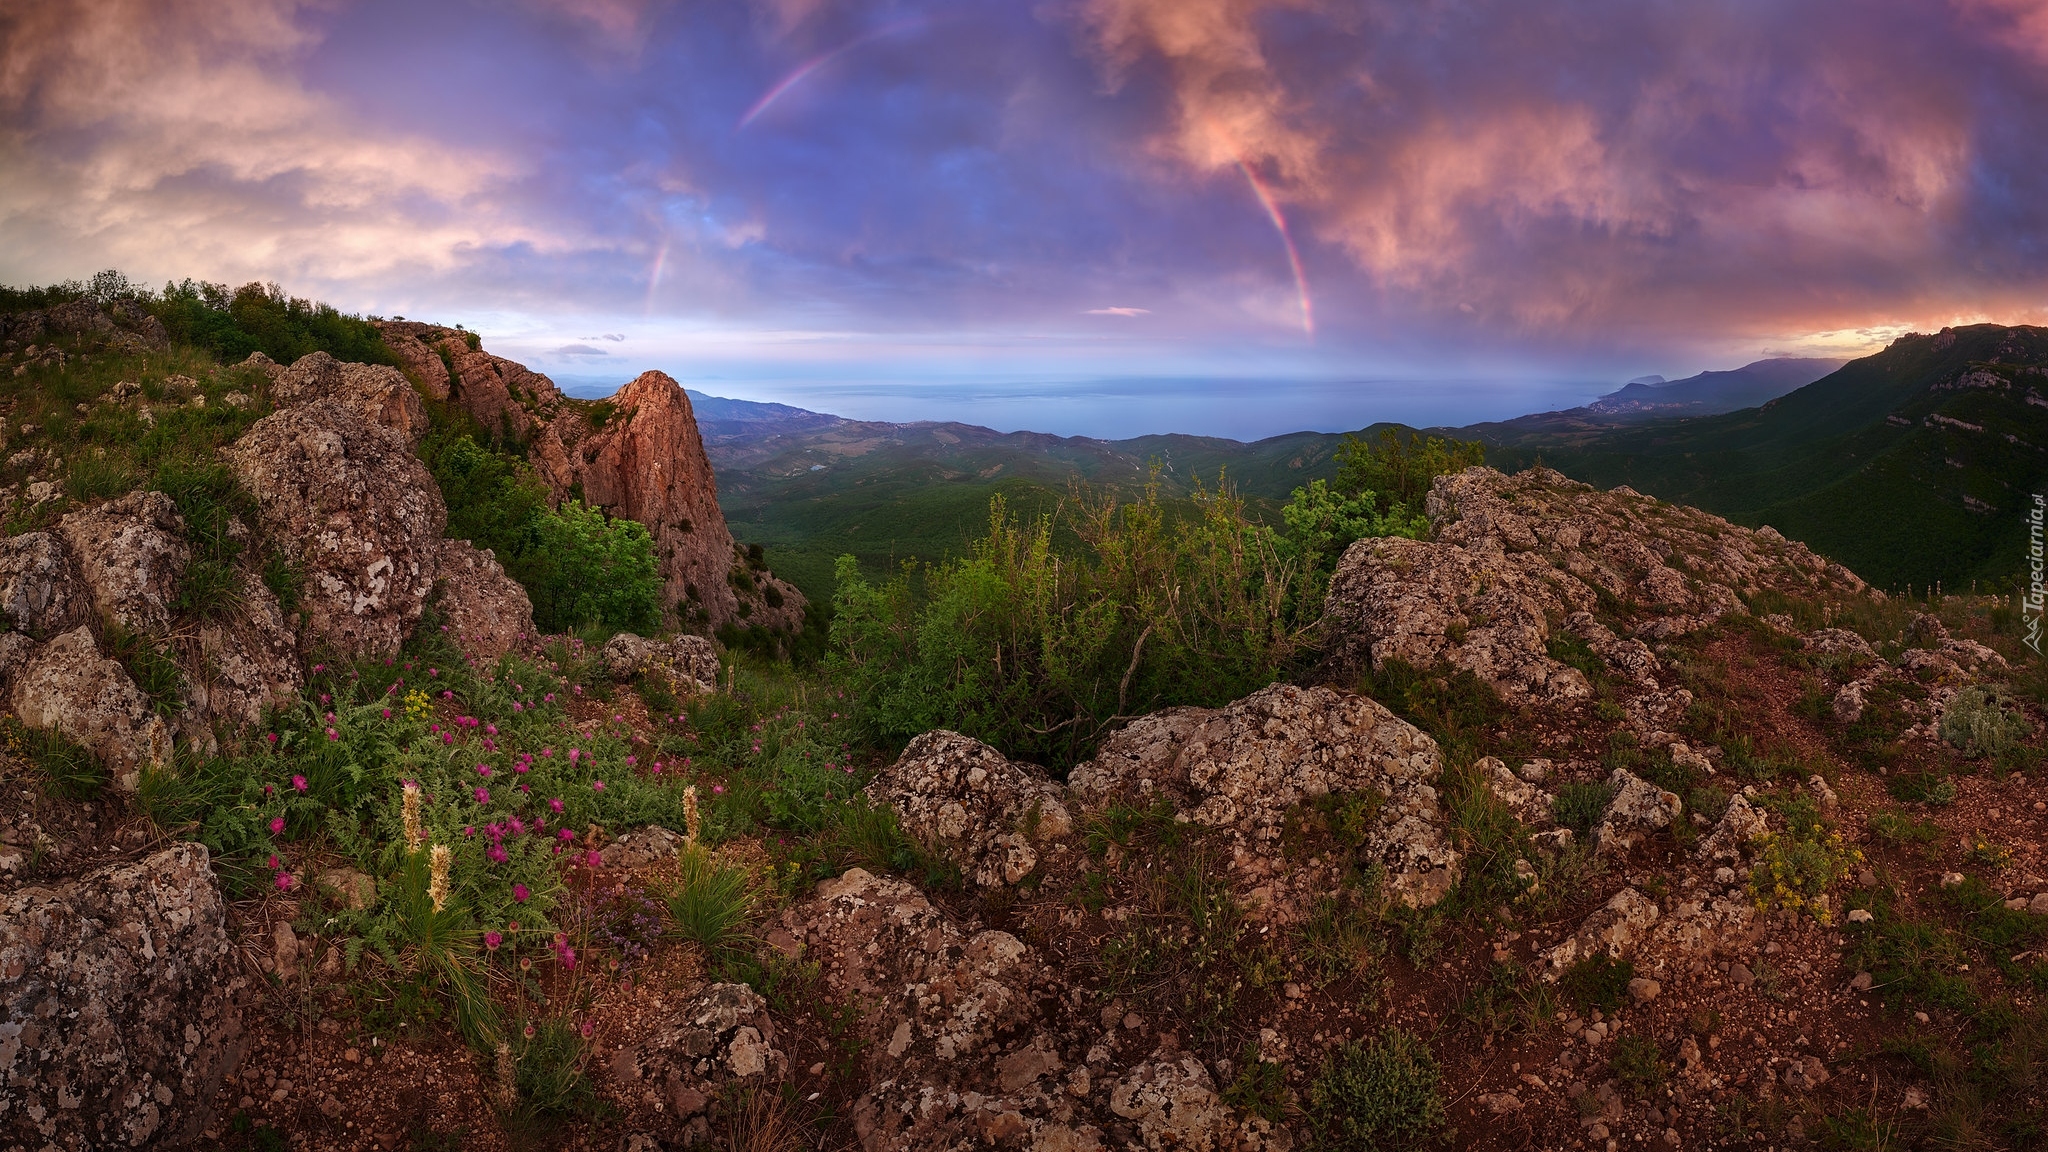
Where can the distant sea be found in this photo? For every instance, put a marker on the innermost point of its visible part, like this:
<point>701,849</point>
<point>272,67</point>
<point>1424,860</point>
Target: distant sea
<point>1115,409</point>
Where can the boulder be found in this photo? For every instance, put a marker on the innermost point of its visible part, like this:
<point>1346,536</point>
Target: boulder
<point>248,659</point>
<point>1173,1104</point>
<point>380,393</point>
<point>973,805</point>
<point>1243,767</point>
<point>80,318</point>
<point>1614,930</point>
<point>120,1004</point>
<point>722,1040</point>
<point>690,662</point>
<point>356,511</point>
<point>487,612</point>
<point>1637,809</point>
<point>131,553</point>
<point>69,687</point>
<point>41,592</point>
<point>1738,827</point>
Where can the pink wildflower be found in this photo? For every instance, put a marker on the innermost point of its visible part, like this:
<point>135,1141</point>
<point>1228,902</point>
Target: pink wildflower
<point>482,794</point>
<point>520,893</point>
<point>492,940</point>
<point>277,825</point>
<point>299,782</point>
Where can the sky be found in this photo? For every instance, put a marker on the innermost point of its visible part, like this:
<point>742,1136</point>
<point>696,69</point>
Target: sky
<point>1225,214</point>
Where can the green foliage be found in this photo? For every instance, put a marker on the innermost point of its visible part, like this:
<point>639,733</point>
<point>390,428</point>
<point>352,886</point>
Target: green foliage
<point>1983,721</point>
<point>1637,1064</point>
<point>262,318</point>
<point>1378,1095</point>
<point>152,669</point>
<point>1930,788</point>
<point>1599,981</point>
<point>578,565</point>
<point>210,500</point>
<point>1259,1088</point>
<point>711,902</point>
<point>1399,468</point>
<point>1579,806</point>
<point>72,770</point>
<point>1797,866</point>
<point>96,474</point>
<point>1039,652</point>
<point>549,1058</point>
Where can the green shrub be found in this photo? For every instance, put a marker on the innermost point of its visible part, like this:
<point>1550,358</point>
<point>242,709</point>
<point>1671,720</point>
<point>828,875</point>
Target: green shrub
<point>1379,1095</point>
<point>1982,721</point>
<point>711,902</point>
<point>1930,788</point>
<point>152,669</point>
<point>231,323</point>
<point>1598,981</point>
<point>1259,1088</point>
<point>1401,468</point>
<point>71,768</point>
<point>1580,806</point>
<point>549,1070</point>
<point>1637,1064</point>
<point>96,474</point>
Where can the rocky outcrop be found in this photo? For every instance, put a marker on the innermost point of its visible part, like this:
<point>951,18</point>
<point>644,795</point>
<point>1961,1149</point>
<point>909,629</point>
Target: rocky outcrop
<point>247,660</point>
<point>636,454</point>
<point>1243,767</point>
<point>130,552</point>
<point>120,1014</point>
<point>68,686</point>
<point>1637,809</point>
<point>40,592</point>
<point>1513,558</point>
<point>381,394</point>
<point>1614,930</point>
<point>723,1040</point>
<point>645,461</point>
<point>350,504</point>
<point>486,612</point>
<point>690,663</point>
<point>973,805</point>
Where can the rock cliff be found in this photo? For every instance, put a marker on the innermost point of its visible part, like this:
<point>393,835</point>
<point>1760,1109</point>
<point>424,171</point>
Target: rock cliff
<point>636,454</point>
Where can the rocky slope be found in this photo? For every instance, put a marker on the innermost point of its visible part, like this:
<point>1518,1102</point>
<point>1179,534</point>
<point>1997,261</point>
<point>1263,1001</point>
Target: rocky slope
<point>637,454</point>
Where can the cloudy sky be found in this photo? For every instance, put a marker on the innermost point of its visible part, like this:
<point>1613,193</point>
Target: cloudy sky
<point>1444,200</point>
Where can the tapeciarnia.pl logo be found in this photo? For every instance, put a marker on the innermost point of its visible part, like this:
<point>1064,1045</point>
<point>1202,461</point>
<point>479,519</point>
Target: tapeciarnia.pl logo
<point>2036,598</point>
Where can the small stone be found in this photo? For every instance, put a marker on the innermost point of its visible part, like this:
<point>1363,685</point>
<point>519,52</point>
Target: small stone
<point>1741,974</point>
<point>1133,1022</point>
<point>352,1055</point>
<point>284,949</point>
<point>1861,983</point>
<point>1860,916</point>
<point>1295,991</point>
<point>1951,879</point>
<point>1922,1017</point>
<point>1866,879</point>
<point>1597,1130</point>
<point>818,1068</point>
<point>1643,989</point>
<point>2039,904</point>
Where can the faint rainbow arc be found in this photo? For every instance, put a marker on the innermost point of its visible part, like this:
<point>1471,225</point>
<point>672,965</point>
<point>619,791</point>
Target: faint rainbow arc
<point>1273,213</point>
<point>654,274</point>
<point>819,61</point>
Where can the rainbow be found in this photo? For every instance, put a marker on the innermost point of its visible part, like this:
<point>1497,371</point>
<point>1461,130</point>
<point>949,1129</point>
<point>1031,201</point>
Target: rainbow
<point>654,274</point>
<point>1272,207</point>
<point>819,61</point>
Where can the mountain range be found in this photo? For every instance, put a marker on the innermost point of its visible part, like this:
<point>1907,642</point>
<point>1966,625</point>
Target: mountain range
<point>1908,465</point>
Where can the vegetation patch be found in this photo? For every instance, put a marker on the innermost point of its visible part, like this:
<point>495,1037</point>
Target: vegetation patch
<point>1381,1093</point>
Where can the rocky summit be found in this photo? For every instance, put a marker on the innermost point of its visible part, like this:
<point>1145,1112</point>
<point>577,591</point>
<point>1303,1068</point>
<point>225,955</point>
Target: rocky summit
<point>1572,819</point>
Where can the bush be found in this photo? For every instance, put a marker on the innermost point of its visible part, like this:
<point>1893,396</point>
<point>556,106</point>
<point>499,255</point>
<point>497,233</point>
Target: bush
<point>1383,1093</point>
<point>262,318</point>
<point>711,903</point>
<point>1637,1064</point>
<point>1040,653</point>
<point>71,769</point>
<point>1981,721</point>
<point>1400,469</point>
<point>579,566</point>
<point>1598,981</point>
<point>1580,806</point>
<point>1796,867</point>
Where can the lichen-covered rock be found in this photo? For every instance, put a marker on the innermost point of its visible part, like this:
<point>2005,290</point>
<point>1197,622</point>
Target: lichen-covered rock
<point>69,687</point>
<point>1512,554</point>
<point>722,1039</point>
<point>118,1006</point>
<point>487,613</point>
<point>41,592</point>
<point>130,553</point>
<point>381,394</point>
<point>353,507</point>
<point>1638,808</point>
<point>1530,804</point>
<point>1614,930</point>
<point>976,806</point>
<point>248,659</point>
<point>1738,827</point>
<point>1243,767</point>
<point>1174,1106</point>
<point>689,662</point>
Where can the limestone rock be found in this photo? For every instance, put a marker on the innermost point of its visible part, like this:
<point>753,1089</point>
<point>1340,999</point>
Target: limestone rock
<point>690,663</point>
<point>248,659</point>
<point>380,394</point>
<point>1638,807</point>
<point>70,687</point>
<point>41,592</point>
<point>723,1038</point>
<point>1174,1104</point>
<point>1612,930</point>
<point>1741,824</point>
<point>487,612</point>
<point>354,508</point>
<point>973,804</point>
<point>1244,766</point>
<point>118,1006</point>
<point>131,553</point>
<point>1530,804</point>
<point>1510,554</point>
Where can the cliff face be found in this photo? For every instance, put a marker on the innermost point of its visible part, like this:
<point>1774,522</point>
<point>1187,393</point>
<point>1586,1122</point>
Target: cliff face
<point>636,454</point>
